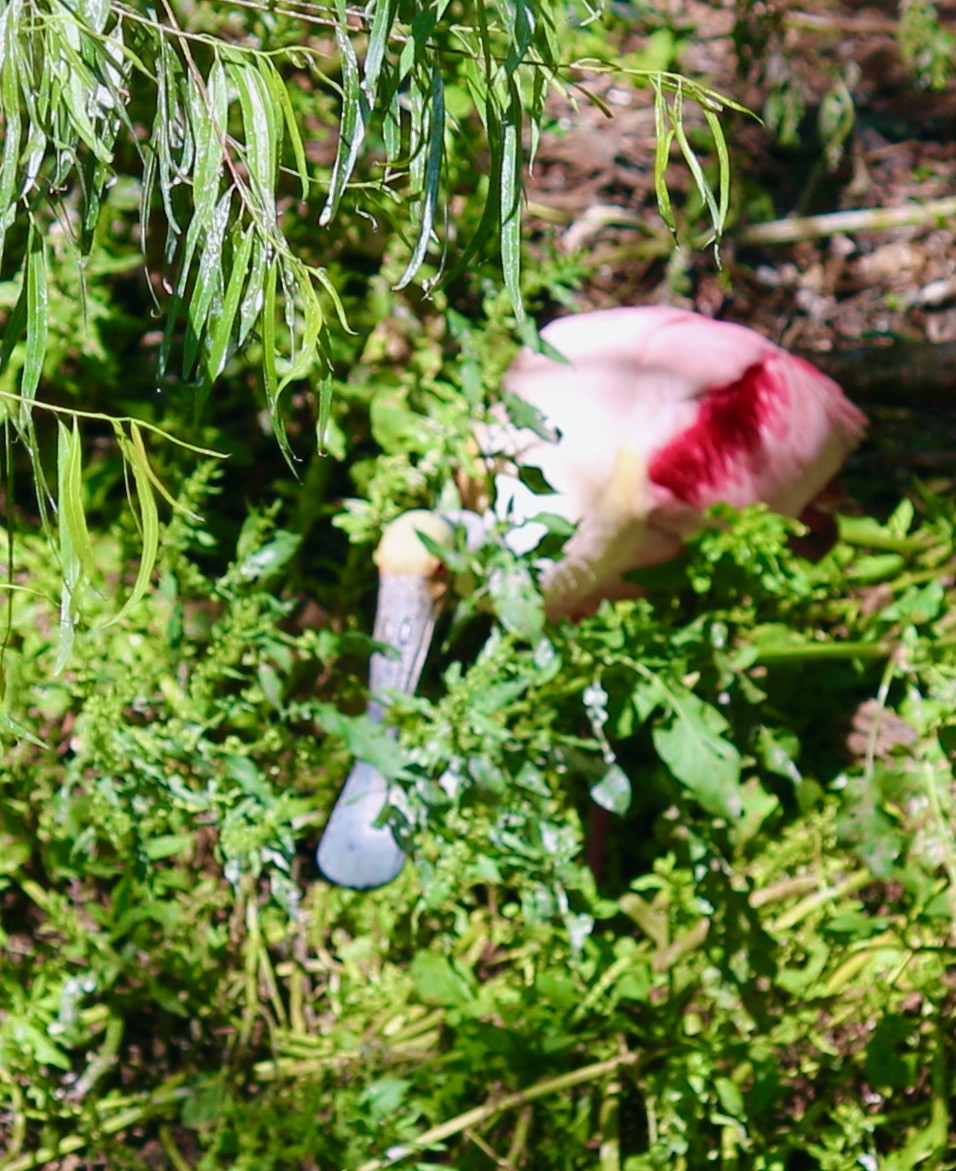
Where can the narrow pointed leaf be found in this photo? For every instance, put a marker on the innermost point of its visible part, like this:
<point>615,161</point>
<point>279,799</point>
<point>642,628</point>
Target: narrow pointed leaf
<point>37,316</point>
<point>230,305</point>
<point>352,132</point>
<point>135,457</point>
<point>432,178</point>
<point>511,200</point>
<point>70,503</point>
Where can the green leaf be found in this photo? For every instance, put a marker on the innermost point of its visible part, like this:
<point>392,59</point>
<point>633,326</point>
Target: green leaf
<point>378,37</point>
<point>135,454</point>
<point>351,130</point>
<point>324,415</point>
<point>613,790</point>
<point>517,602</point>
<point>238,277</point>
<point>664,136</point>
<point>691,744</point>
<point>438,982</point>
<point>37,320</point>
<point>70,502</point>
<point>511,192</point>
<point>432,177</point>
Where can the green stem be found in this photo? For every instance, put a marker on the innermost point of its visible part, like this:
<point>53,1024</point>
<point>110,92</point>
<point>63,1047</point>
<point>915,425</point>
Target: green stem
<point>481,1114</point>
<point>865,533</point>
<point>161,1100</point>
<point>819,899</point>
<point>817,651</point>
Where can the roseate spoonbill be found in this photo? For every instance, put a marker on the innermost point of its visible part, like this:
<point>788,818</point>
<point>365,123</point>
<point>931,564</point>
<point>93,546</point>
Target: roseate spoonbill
<point>658,414</point>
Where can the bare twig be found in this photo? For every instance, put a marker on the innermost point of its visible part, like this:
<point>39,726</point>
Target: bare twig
<point>871,219</point>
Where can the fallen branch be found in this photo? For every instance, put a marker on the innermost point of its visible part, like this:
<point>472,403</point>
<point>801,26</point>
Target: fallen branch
<point>871,219</point>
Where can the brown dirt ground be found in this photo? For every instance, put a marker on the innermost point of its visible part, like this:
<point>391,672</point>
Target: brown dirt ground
<point>820,294</point>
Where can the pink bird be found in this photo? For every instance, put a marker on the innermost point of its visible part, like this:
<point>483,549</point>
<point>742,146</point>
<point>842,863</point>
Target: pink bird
<point>657,415</point>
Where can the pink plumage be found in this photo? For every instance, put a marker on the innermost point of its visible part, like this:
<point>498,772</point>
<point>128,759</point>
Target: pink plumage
<point>660,414</point>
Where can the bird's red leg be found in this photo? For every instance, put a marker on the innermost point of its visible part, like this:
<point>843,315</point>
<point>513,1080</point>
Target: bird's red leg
<point>595,847</point>
<point>822,527</point>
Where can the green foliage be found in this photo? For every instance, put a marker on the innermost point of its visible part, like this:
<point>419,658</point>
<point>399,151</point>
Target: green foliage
<point>926,45</point>
<point>237,156</point>
<point>762,979</point>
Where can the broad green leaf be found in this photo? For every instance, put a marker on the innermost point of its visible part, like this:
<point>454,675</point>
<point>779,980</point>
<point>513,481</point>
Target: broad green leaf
<point>691,744</point>
<point>438,982</point>
<point>517,603</point>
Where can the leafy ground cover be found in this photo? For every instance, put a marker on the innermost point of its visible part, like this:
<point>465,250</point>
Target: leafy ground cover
<point>761,977</point>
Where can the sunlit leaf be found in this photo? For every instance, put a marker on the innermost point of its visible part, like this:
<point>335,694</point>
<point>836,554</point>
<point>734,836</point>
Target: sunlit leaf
<point>135,455</point>
<point>511,199</point>
<point>352,129</point>
<point>37,318</point>
<point>692,745</point>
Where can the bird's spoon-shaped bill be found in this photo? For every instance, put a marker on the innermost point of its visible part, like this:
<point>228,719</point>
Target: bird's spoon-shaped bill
<point>356,851</point>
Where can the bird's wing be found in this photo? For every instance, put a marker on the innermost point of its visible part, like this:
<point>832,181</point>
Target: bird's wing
<point>778,433</point>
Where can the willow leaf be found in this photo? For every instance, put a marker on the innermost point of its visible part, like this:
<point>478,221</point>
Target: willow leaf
<point>14,329</point>
<point>325,414</point>
<point>70,567</point>
<point>70,502</point>
<point>432,178</point>
<point>38,309</point>
<point>313,319</point>
<point>230,304</point>
<point>261,130</point>
<point>251,308</point>
<point>207,288</point>
<point>490,212</point>
<point>157,483</point>
<point>322,278</point>
<point>693,163</point>
<point>352,132</point>
<point>664,136</point>
<point>280,96</point>
<point>270,378</point>
<point>723,164</point>
<point>135,457</point>
<point>12,129</point>
<point>511,200</point>
<point>377,46</point>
